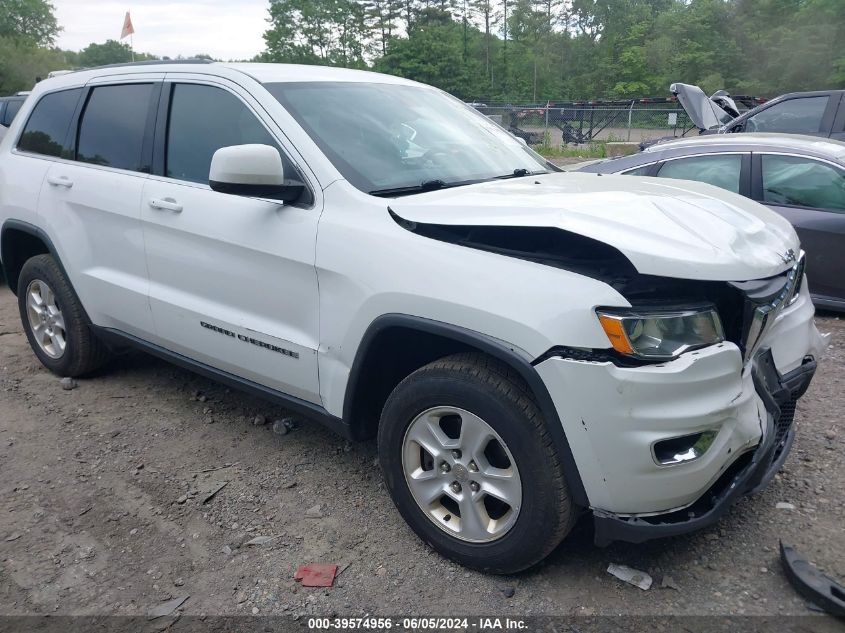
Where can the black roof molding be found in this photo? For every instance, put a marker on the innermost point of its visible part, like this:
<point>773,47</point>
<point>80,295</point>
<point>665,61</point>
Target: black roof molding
<point>150,62</point>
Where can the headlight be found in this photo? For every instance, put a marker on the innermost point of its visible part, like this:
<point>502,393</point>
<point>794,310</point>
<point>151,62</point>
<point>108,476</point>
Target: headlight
<point>661,334</point>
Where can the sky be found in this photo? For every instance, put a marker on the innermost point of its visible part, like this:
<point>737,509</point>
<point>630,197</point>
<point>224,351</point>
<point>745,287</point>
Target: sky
<point>224,29</point>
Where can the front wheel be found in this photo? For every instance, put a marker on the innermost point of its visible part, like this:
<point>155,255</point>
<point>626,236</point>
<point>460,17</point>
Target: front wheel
<point>471,467</point>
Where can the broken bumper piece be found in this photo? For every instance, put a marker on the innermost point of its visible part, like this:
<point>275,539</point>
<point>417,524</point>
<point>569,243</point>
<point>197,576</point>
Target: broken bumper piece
<point>750,473</point>
<point>811,583</point>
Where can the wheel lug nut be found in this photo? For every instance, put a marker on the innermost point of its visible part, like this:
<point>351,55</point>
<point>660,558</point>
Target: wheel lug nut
<point>456,487</point>
<point>474,486</point>
<point>444,467</point>
<point>456,454</point>
<point>473,467</point>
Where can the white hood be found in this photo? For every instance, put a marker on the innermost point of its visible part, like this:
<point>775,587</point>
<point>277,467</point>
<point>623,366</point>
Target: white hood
<point>670,228</point>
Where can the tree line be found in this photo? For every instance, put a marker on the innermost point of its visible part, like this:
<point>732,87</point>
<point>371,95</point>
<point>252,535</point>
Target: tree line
<point>515,50</point>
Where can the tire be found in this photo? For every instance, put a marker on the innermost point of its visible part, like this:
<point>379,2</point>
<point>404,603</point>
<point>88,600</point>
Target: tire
<point>81,352</point>
<point>511,535</point>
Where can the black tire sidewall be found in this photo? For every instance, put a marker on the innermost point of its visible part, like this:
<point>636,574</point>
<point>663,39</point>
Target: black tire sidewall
<point>526,542</point>
<point>39,269</point>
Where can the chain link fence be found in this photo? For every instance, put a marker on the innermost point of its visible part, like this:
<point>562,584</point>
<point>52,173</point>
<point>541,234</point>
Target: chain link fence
<point>577,124</point>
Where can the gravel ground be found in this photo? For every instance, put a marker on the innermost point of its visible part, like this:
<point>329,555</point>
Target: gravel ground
<point>104,511</point>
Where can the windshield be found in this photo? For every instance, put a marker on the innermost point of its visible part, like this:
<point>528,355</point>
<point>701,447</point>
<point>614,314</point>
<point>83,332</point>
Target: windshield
<point>389,137</point>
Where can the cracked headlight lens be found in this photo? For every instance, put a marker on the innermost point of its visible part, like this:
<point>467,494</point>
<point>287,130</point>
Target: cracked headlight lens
<point>661,334</point>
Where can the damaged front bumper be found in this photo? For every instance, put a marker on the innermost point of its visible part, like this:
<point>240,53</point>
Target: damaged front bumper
<point>748,474</point>
<point>617,417</point>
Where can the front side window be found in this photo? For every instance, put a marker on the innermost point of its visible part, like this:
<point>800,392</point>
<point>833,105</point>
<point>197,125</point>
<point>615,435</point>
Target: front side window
<point>384,137</point>
<point>111,132</point>
<point>720,170</point>
<point>47,127</point>
<point>803,182</point>
<point>202,120</point>
<point>795,116</point>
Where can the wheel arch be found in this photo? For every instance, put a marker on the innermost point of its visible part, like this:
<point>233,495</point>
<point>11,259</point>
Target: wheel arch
<point>378,368</point>
<point>18,242</point>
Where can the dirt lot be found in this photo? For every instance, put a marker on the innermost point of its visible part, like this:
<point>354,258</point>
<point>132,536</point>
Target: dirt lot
<point>102,494</point>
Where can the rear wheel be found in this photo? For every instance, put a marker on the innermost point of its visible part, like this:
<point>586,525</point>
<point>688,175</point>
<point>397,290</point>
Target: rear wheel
<point>54,321</point>
<point>471,466</point>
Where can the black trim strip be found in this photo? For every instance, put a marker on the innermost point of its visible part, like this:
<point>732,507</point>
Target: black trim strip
<point>116,338</point>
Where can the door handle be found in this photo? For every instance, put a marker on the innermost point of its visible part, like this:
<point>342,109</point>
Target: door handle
<point>60,181</point>
<point>165,204</point>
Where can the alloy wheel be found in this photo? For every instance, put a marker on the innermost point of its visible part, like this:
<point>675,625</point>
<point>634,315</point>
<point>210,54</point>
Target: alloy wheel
<point>45,319</point>
<point>461,474</point>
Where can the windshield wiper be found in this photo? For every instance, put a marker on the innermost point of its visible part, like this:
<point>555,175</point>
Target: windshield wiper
<point>426,185</point>
<point>432,185</point>
<point>519,173</point>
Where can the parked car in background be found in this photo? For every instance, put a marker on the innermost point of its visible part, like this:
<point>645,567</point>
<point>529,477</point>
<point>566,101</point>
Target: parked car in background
<point>800,177</point>
<point>9,107</point>
<point>526,345</point>
<point>818,113</point>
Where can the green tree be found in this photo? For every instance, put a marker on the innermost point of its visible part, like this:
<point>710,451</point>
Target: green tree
<point>332,32</point>
<point>433,53</point>
<point>110,52</point>
<point>22,64</point>
<point>32,20</point>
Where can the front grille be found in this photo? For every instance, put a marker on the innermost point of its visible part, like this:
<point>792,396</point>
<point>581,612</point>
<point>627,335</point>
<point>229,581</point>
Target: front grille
<point>764,299</point>
<point>783,424</point>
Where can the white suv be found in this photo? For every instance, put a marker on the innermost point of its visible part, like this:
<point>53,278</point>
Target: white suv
<point>527,345</point>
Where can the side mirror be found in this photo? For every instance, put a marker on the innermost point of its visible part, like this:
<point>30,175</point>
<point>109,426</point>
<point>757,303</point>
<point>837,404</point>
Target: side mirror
<point>254,171</point>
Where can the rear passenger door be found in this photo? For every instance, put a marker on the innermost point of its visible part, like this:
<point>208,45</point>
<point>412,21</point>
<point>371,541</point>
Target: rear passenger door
<point>811,195</point>
<point>233,282</point>
<point>91,197</point>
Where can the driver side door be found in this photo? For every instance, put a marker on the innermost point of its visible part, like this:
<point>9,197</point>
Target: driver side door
<point>232,279</point>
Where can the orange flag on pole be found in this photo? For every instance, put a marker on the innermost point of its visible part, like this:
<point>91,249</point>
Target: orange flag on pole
<point>128,29</point>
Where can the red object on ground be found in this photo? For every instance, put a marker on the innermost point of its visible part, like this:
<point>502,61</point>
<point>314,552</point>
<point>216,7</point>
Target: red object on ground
<point>316,575</point>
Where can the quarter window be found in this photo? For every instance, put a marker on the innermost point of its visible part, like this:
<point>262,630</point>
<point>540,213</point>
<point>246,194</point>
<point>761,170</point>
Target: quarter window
<point>111,132</point>
<point>47,127</point>
<point>793,181</point>
<point>720,170</point>
<point>202,120</point>
<point>639,171</point>
<point>797,116</point>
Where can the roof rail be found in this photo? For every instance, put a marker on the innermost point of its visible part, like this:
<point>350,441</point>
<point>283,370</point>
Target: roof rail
<point>150,62</point>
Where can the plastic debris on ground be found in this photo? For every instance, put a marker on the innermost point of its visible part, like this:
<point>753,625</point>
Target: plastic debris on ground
<point>631,576</point>
<point>316,575</point>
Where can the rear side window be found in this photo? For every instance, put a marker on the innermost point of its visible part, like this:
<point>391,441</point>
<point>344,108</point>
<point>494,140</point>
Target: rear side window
<point>789,180</point>
<point>202,120</point>
<point>12,108</point>
<point>111,132</point>
<point>47,127</point>
<point>796,116</point>
<point>720,170</point>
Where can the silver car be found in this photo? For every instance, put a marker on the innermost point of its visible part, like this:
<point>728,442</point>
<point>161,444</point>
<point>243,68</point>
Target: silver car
<point>800,177</point>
